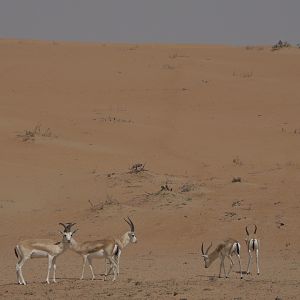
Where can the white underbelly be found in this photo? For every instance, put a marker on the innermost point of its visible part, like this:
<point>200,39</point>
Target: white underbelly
<point>38,254</point>
<point>98,254</point>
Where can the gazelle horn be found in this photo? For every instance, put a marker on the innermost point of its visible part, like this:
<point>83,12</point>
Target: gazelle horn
<point>247,230</point>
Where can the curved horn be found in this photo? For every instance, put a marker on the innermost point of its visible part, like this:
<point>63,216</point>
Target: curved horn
<point>208,248</point>
<point>132,225</point>
<point>247,230</point>
<point>67,226</point>
<point>202,250</point>
<point>255,228</point>
<point>129,222</point>
<point>62,224</point>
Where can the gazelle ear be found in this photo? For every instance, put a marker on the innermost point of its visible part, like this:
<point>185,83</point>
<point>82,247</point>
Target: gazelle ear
<point>204,255</point>
<point>60,232</point>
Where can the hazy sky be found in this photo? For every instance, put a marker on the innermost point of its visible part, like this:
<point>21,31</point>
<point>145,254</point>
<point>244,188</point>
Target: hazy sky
<point>161,21</point>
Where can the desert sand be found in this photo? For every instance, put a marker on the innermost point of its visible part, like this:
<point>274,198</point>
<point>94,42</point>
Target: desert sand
<point>75,117</point>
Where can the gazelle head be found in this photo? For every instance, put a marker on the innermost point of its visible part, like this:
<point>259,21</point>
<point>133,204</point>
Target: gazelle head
<point>205,255</point>
<point>67,233</point>
<point>131,234</point>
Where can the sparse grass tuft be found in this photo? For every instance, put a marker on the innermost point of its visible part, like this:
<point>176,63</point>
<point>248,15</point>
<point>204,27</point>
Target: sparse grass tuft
<point>186,187</point>
<point>31,134</point>
<point>166,187</point>
<point>137,168</point>
<point>237,161</point>
<point>100,205</point>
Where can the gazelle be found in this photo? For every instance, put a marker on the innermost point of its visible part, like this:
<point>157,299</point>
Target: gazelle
<point>128,237</point>
<point>109,248</point>
<point>38,248</point>
<point>253,245</point>
<point>225,249</point>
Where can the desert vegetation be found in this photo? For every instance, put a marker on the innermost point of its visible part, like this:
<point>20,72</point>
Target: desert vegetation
<point>30,135</point>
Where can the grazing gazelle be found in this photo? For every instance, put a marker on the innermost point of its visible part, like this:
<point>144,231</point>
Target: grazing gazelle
<point>36,248</point>
<point>225,249</point>
<point>109,248</point>
<point>253,245</point>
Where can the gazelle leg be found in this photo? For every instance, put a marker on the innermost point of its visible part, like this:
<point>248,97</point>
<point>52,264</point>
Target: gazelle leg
<point>220,269</point>
<point>110,269</point>
<point>50,259</point>
<point>91,267</point>
<point>257,267</point>
<point>18,273</point>
<point>231,265</point>
<point>224,267</point>
<point>118,262</point>
<point>114,267</point>
<point>239,259</point>
<point>106,267</point>
<point>54,269</point>
<point>84,262</point>
<point>249,262</point>
<point>115,258</point>
<point>19,270</point>
<point>17,265</point>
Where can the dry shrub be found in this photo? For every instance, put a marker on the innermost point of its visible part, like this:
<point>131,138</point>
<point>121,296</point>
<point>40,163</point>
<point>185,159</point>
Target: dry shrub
<point>137,168</point>
<point>236,179</point>
<point>186,187</point>
<point>100,205</point>
<point>166,187</point>
<point>37,131</point>
<point>237,161</point>
<point>280,44</point>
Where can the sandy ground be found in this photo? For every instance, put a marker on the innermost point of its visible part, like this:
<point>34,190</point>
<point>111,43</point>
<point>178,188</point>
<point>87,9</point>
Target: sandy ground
<point>73,119</point>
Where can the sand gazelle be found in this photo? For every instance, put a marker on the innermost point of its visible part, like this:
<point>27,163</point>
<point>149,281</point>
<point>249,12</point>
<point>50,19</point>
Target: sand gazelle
<point>109,249</point>
<point>95,249</point>
<point>225,249</point>
<point>38,248</point>
<point>253,244</point>
<point>126,238</point>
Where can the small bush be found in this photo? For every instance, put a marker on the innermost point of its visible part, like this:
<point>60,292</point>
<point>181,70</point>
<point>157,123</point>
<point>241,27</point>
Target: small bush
<point>236,179</point>
<point>280,44</point>
<point>137,168</point>
<point>30,135</point>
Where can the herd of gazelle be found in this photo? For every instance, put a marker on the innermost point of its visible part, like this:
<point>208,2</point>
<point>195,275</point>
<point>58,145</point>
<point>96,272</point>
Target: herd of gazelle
<point>110,249</point>
<point>231,247</point>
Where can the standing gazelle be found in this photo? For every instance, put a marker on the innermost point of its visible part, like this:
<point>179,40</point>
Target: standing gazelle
<point>253,244</point>
<point>37,248</point>
<point>110,249</point>
<point>126,238</point>
<point>225,249</point>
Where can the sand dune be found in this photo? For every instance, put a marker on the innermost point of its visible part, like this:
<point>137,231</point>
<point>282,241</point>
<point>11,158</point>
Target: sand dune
<point>73,119</point>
